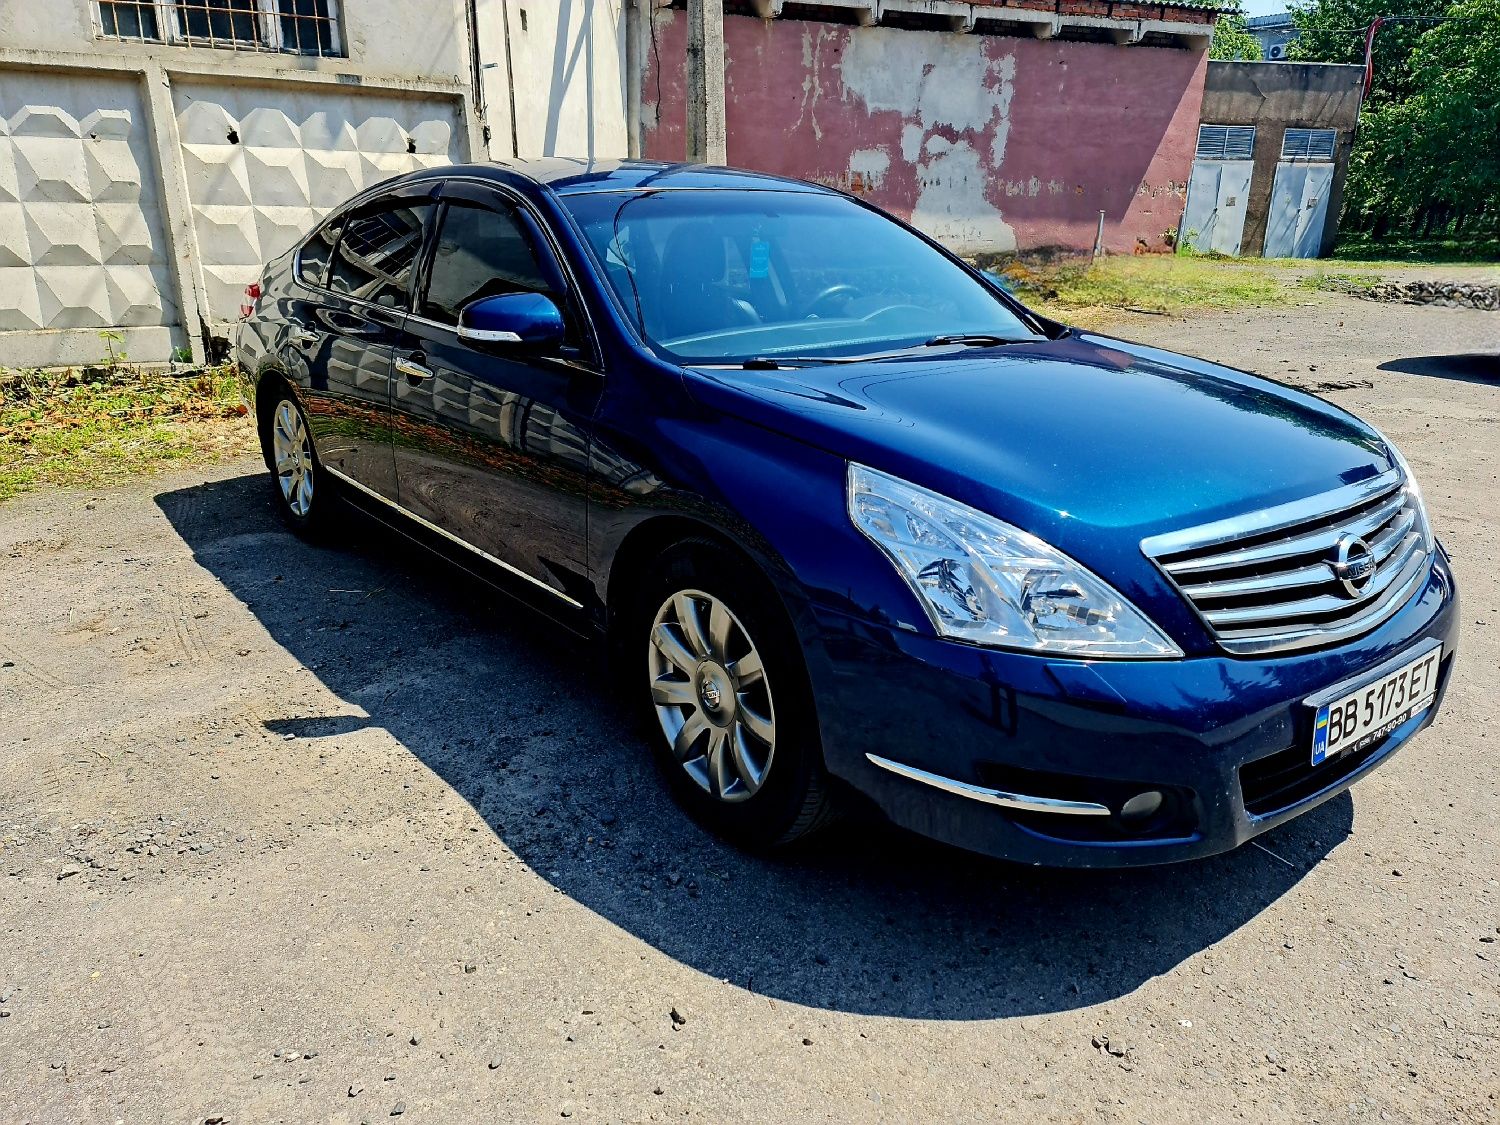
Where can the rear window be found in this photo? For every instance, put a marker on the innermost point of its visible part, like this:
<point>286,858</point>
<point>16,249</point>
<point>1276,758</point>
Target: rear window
<point>378,250</point>
<point>317,252</point>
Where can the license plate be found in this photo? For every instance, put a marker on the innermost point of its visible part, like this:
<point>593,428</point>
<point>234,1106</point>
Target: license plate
<point>1355,719</point>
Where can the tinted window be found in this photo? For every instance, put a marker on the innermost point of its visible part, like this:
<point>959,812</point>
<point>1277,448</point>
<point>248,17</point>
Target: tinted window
<point>317,252</point>
<point>377,252</point>
<point>479,253</point>
<point>728,275</point>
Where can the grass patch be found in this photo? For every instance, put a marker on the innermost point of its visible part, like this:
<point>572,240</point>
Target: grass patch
<point>1163,284</point>
<point>1352,283</point>
<point>102,425</point>
<point>1438,251</point>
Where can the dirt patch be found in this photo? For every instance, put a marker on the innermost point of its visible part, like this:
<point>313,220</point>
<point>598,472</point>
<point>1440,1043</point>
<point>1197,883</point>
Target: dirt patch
<point>290,833</point>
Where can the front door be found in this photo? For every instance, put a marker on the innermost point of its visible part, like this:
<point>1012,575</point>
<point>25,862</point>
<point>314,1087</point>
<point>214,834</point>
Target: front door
<point>352,338</point>
<point>491,440</point>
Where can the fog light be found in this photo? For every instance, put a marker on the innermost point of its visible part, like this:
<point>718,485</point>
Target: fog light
<point>1143,806</point>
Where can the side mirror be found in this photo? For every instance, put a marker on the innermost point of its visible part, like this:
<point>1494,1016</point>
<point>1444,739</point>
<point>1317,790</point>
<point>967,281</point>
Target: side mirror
<point>532,319</point>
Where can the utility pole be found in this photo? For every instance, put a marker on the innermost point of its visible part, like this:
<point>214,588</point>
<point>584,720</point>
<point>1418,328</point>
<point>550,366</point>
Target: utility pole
<point>705,82</point>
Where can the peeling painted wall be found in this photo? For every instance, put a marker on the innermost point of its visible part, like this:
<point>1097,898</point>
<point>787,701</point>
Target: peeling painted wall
<point>990,143</point>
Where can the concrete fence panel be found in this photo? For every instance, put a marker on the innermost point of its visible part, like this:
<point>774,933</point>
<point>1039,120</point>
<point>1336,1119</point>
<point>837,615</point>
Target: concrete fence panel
<point>264,163</point>
<point>82,247</point>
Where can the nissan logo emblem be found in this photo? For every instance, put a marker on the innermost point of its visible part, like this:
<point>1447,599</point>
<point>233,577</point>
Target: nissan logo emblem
<point>1353,565</point>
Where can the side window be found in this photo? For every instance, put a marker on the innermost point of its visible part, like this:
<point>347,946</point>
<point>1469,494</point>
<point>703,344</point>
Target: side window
<point>317,252</point>
<point>480,252</point>
<point>375,256</point>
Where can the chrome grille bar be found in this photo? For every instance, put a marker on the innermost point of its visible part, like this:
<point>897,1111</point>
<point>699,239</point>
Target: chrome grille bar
<point>1320,540</point>
<point>1282,578</point>
<point>1308,607</point>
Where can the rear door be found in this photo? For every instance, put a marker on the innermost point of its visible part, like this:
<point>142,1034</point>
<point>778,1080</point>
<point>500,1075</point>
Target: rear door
<point>350,341</point>
<point>492,441</point>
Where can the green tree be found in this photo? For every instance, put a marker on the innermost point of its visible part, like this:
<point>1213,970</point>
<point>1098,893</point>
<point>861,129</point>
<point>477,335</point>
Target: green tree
<point>1232,40</point>
<point>1334,31</point>
<point>1427,160</point>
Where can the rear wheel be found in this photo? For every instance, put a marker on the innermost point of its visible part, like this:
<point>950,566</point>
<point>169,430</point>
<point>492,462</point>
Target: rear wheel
<point>301,485</point>
<point>727,695</point>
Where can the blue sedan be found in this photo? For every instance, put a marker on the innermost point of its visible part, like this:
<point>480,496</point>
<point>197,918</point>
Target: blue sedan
<point>860,531</point>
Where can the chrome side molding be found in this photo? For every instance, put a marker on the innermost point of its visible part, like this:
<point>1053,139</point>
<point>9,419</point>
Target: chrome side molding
<point>991,796</point>
<point>446,534</point>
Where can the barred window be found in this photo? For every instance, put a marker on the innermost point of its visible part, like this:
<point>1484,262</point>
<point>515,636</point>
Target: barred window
<point>298,27</point>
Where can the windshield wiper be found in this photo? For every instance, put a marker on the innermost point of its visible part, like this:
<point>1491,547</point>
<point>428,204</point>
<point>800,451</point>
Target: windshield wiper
<point>975,340</point>
<point>777,362</point>
<point>967,339</point>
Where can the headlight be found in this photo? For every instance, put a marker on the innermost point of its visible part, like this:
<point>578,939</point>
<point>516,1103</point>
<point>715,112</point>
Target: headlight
<point>988,583</point>
<point>1413,490</point>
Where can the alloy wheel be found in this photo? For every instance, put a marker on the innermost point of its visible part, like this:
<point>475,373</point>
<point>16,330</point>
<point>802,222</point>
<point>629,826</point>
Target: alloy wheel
<point>293,456</point>
<point>711,694</point>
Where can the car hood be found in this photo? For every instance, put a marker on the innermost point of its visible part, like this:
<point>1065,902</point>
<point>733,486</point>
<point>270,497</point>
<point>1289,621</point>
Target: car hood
<point>1090,442</point>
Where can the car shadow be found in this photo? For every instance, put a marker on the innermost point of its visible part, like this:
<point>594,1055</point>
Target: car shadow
<point>512,714</point>
<point>1472,368</point>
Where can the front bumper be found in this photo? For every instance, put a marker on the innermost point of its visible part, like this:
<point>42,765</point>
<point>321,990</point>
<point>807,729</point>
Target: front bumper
<point>1225,740</point>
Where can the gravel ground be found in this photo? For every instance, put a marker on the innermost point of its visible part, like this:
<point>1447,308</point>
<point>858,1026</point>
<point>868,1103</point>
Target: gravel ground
<point>291,833</point>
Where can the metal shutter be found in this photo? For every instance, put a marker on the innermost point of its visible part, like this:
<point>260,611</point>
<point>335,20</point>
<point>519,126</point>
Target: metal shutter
<point>1308,144</point>
<point>1226,142</point>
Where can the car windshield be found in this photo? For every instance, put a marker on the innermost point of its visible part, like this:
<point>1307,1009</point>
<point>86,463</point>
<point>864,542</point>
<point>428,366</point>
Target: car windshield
<point>723,276</point>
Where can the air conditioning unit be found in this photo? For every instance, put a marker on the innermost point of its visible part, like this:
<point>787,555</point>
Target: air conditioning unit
<point>1277,52</point>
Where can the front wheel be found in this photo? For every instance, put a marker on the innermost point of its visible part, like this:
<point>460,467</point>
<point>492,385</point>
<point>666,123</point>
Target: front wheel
<point>301,484</point>
<point>729,699</point>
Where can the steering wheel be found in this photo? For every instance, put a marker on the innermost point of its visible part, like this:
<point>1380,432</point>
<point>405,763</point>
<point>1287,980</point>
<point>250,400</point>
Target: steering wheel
<point>843,293</point>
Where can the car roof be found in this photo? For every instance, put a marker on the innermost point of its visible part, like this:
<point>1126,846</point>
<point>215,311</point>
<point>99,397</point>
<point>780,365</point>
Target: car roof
<point>566,176</point>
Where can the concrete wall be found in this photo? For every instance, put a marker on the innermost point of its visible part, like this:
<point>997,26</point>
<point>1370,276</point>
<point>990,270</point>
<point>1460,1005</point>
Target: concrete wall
<point>82,238</point>
<point>262,170</point>
<point>418,40</point>
<point>554,77</point>
<point>1275,97</point>
<point>142,185</point>
<point>989,142</point>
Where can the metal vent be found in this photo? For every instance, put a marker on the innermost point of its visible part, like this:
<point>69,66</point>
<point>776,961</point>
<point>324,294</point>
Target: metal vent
<point>1226,142</point>
<point>1309,144</point>
<point>1305,574</point>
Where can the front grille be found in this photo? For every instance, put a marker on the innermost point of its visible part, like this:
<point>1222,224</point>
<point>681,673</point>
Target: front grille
<point>1311,573</point>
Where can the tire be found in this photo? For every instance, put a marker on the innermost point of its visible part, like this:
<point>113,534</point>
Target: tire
<point>736,737</point>
<point>304,492</point>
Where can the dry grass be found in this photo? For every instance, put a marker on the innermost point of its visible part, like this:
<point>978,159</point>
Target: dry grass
<point>1081,292</point>
<point>101,425</point>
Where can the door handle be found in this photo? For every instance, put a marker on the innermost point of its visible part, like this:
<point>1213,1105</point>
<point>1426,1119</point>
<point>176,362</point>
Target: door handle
<point>303,338</point>
<point>413,370</point>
